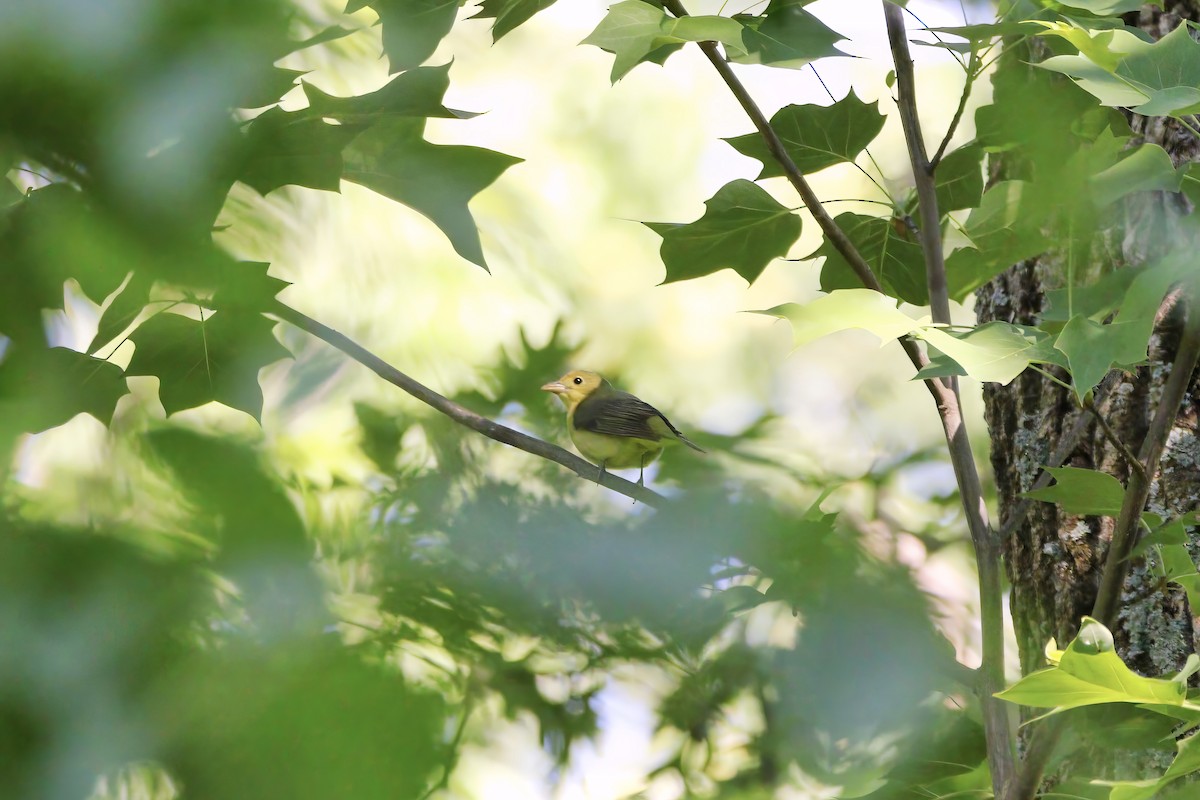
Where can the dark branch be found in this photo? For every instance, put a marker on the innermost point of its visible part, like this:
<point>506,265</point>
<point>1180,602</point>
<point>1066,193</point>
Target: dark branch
<point>464,416</point>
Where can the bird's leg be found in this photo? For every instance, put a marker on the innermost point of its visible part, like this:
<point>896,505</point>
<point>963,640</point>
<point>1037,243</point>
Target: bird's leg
<point>642,471</point>
<point>603,472</point>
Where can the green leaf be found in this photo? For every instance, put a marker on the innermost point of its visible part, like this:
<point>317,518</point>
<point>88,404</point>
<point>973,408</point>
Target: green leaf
<point>270,89</point>
<point>122,310</point>
<point>1096,81</point>
<point>1086,675</point>
<point>198,362</point>
<point>1121,70</point>
<point>412,29</point>
<point>994,352</point>
<point>509,14</point>
<point>393,159</point>
<point>1001,231</point>
<point>225,479</point>
<point>1082,491</point>
<point>785,35</point>
<point>985,32</point>
<point>1092,349</point>
<point>743,228</point>
<point>293,148</point>
<point>245,722</point>
<point>1186,762</point>
<point>897,262</point>
<point>634,32</point>
<point>415,93</point>
<point>959,179</point>
<point>1168,72</point>
<point>42,388</point>
<point>815,136</point>
<point>1096,299</point>
<point>1109,8</point>
<point>1103,46</point>
<point>1146,168</point>
<point>844,309</point>
<point>246,286</point>
<point>1178,567</point>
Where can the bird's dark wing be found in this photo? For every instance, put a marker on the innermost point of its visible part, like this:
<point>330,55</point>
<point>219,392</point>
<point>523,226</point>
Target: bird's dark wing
<point>617,413</point>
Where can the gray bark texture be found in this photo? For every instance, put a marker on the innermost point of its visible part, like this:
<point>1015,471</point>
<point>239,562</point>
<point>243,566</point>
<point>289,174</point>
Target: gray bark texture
<point>1054,560</point>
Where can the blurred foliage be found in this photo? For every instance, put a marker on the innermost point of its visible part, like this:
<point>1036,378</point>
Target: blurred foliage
<point>204,621</point>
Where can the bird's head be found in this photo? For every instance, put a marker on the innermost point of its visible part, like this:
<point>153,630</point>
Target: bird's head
<point>574,386</point>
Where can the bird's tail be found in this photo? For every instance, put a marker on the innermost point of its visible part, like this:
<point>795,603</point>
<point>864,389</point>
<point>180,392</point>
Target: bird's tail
<point>691,444</point>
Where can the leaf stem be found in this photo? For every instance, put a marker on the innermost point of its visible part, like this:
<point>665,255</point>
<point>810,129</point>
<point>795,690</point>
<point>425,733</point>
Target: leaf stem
<point>972,74</point>
<point>462,415</point>
<point>1130,457</point>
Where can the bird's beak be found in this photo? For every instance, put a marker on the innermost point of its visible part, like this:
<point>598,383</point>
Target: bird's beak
<point>554,386</point>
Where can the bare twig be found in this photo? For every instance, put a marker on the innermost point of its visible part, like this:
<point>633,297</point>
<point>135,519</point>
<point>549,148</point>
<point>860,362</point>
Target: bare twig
<point>973,71</point>
<point>465,416</point>
<point>1131,459</point>
<point>997,727</point>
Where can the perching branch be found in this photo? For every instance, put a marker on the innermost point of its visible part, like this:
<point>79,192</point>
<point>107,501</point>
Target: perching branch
<point>997,727</point>
<point>462,415</point>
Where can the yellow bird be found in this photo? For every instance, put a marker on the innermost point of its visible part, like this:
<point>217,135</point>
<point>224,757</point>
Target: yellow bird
<point>612,427</point>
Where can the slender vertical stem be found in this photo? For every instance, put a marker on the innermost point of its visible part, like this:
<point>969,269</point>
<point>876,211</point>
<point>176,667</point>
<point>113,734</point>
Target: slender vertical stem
<point>997,726</point>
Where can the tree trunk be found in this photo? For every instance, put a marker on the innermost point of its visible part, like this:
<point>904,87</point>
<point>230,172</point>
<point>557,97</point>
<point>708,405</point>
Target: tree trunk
<point>1054,560</point>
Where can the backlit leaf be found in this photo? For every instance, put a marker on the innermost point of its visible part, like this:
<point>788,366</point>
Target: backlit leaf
<point>785,35</point>
<point>393,158</point>
<point>1085,676</point>
<point>814,136</point>
<point>42,388</point>
<point>743,228</point>
<point>634,32</point>
<point>197,362</point>
<point>897,261</point>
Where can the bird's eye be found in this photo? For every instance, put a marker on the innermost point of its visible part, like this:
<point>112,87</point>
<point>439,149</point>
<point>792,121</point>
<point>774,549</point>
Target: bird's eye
<point>578,380</point>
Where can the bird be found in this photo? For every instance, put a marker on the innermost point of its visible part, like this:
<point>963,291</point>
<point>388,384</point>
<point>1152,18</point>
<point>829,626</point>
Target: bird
<point>611,427</point>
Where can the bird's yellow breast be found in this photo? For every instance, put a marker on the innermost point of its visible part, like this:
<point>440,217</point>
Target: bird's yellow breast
<point>614,452</point>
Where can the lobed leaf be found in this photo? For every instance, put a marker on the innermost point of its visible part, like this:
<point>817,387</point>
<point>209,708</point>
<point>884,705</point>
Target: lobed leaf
<point>785,35</point>
<point>816,137</point>
<point>1082,491</point>
<point>635,32</point>
<point>743,228</point>
<point>201,361</point>
<point>393,158</point>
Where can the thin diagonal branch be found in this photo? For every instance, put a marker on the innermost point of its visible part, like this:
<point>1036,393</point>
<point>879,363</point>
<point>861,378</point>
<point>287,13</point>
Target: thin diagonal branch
<point>832,232</point>
<point>462,415</point>
<point>997,726</point>
<point>836,236</point>
<point>973,71</point>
